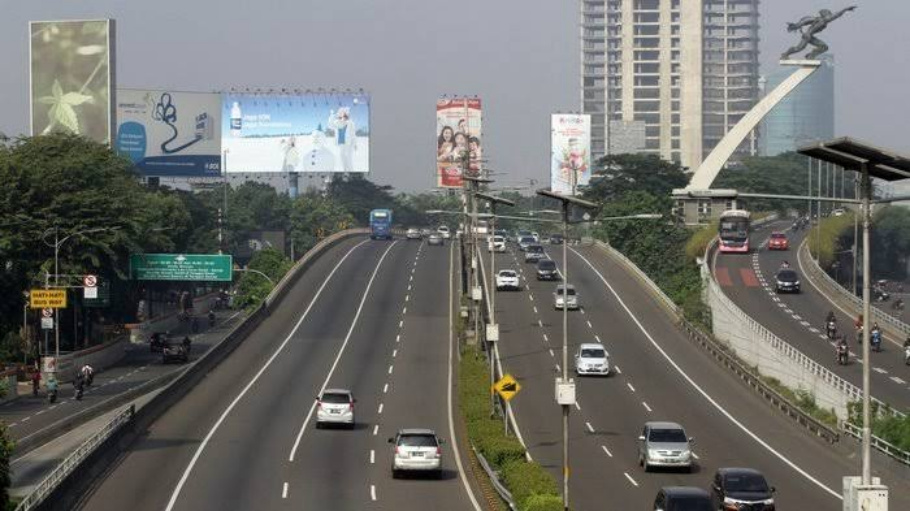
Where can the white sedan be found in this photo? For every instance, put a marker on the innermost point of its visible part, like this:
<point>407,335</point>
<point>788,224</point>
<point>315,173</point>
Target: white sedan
<point>507,279</point>
<point>496,244</point>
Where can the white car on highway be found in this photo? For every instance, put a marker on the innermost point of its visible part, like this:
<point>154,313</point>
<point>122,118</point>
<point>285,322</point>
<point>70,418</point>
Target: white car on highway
<point>335,406</point>
<point>443,231</point>
<point>565,296</point>
<point>496,244</point>
<point>592,358</point>
<point>507,279</point>
<point>416,450</point>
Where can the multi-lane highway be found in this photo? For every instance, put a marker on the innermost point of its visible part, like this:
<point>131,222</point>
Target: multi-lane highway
<point>370,316</point>
<point>799,319</point>
<point>659,375</point>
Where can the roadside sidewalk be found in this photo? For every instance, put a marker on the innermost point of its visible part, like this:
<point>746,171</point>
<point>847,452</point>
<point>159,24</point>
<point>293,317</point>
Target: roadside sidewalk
<point>32,420</point>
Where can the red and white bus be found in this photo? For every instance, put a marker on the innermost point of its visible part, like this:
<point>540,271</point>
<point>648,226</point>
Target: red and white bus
<point>734,231</point>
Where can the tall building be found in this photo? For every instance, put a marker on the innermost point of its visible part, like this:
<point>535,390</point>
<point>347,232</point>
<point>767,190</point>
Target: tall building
<point>805,116</point>
<point>680,72</point>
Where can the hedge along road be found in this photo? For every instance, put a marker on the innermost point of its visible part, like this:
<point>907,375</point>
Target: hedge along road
<point>245,464</point>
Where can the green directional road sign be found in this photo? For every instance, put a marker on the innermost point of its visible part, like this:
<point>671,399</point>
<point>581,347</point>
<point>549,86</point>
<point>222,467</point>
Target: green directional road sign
<point>192,267</point>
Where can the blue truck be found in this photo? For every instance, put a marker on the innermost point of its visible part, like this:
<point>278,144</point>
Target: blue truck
<point>381,224</point>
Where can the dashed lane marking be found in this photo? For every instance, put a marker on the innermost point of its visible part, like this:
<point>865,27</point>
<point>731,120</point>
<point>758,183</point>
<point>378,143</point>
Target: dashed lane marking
<point>577,406</point>
<point>814,330</point>
<point>604,447</point>
<point>879,370</point>
<point>589,426</point>
<point>897,380</point>
<point>618,370</point>
<point>634,483</point>
<point>380,409</point>
<point>535,310</point>
<point>372,456</point>
<point>552,354</point>
<point>545,338</point>
<point>589,324</point>
<point>391,368</point>
<point>540,323</point>
<point>597,338</point>
<point>630,387</point>
<point>804,323</point>
<point>385,388</point>
<point>376,430</point>
<point>648,408</point>
<point>284,491</point>
<point>373,492</point>
<point>394,353</point>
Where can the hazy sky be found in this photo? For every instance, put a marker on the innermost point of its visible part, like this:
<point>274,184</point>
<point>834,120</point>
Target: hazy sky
<point>520,56</point>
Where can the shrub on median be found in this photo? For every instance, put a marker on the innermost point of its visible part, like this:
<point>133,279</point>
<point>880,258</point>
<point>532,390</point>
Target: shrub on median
<point>532,487</point>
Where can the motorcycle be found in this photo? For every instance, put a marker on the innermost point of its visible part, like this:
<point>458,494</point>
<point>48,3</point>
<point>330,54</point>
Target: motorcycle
<point>831,329</point>
<point>898,304</point>
<point>842,355</point>
<point>907,355</point>
<point>211,319</point>
<point>876,340</point>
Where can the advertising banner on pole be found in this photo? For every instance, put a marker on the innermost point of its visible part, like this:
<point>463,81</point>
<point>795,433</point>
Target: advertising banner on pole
<point>72,77</point>
<point>169,133</point>
<point>309,132</point>
<point>570,162</point>
<point>458,134</point>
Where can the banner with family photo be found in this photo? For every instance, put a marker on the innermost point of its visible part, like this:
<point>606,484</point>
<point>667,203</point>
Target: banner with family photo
<point>296,133</point>
<point>458,134</point>
<point>570,162</point>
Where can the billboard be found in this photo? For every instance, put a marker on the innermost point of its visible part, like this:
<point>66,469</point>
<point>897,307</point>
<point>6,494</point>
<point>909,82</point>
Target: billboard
<point>296,133</point>
<point>72,77</point>
<point>570,161</point>
<point>169,133</point>
<point>458,133</point>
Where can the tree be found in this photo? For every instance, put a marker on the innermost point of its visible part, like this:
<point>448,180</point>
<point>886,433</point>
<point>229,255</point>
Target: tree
<point>358,195</point>
<point>617,174</point>
<point>314,217</point>
<point>253,288</point>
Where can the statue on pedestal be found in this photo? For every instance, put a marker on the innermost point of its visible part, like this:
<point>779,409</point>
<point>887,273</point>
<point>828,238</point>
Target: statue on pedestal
<point>809,26</point>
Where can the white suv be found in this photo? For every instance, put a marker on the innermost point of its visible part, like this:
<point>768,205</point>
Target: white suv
<point>592,359</point>
<point>335,406</point>
<point>563,297</point>
<point>507,279</point>
<point>416,450</point>
<point>497,244</point>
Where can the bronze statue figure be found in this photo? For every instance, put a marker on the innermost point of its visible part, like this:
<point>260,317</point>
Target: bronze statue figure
<point>809,26</point>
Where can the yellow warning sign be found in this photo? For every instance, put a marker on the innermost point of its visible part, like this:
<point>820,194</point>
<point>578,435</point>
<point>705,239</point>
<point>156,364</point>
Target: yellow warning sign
<point>507,387</point>
<point>47,298</point>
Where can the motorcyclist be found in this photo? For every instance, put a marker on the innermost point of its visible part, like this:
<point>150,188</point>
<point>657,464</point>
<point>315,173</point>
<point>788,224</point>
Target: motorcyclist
<point>211,318</point>
<point>875,335</point>
<point>88,374</point>
<point>785,264</point>
<point>79,385</point>
<point>51,386</point>
<point>842,350</point>
<point>36,379</point>
<point>187,343</point>
<point>830,318</point>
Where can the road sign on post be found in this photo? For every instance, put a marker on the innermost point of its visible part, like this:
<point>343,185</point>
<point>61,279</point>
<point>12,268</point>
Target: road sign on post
<point>47,298</point>
<point>182,267</point>
<point>90,291</point>
<point>507,387</point>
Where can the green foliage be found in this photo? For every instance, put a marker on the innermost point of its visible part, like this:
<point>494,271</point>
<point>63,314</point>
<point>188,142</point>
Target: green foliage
<point>890,241</point>
<point>359,196</point>
<point>830,240</point>
<point>804,400</point>
<point>624,173</point>
<point>699,241</point>
<point>543,503</point>
<point>785,174</point>
<point>313,217</point>
<point>253,288</point>
<point>532,487</point>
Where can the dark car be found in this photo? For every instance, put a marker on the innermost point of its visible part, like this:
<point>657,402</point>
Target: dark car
<point>741,488</point>
<point>174,352</point>
<point>682,498</point>
<point>556,239</point>
<point>787,281</point>
<point>546,270</point>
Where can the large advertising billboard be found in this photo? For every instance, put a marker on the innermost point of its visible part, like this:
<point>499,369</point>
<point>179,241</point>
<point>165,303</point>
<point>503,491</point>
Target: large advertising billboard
<point>296,133</point>
<point>72,77</point>
<point>169,133</point>
<point>458,134</point>
<point>570,161</point>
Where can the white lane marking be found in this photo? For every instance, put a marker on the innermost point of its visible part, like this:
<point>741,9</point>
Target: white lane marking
<point>577,406</point>
<point>385,388</point>
<point>545,338</point>
<point>782,305</point>
<point>401,323</point>
<point>398,338</point>
<point>859,360</point>
<point>823,337</point>
<point>535,310</point>
<point>344,345</point>
<point>376,430</point>
<point>40,412</point>
<point>249,385</point>
<point>407,298</point>
<point>373,492</point>
<point>411,279</point>
<point>391,368</point>
<point>776,299</point>
<point>380,409</point>
<point>788,310</point>
<point>450,386</point>
<point>284,491</point>
<point>879,370</point>
<point>589,426</point>
<point>648,408</point>
<point>404,311</point>
<point>695,456</point>
<point>582,311</point>
<point>409,287</point>
<point>597,338</point>
<point>797,317</point>
<point>604,447</point>
<point>26,419</point>
<point>701,391</point>
<point>540,323</point>
<point>630,387</point>
<point>618,370</point>
<point>531,297</point>
<point>634,483</point>
<point>897,380</point>
<point>372,456</point>
<point>552,354</point>
<point>589,324</point>
<point>394,353</point>
<point>804,323</point>
<point>557,368</point>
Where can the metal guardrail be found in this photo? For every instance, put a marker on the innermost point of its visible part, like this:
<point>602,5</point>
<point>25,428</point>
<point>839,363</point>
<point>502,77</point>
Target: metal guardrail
<point>71,462</point>
<point>814,270</point>
<point>882,445</point>
<point>723,355</point>
<point>503,492</point>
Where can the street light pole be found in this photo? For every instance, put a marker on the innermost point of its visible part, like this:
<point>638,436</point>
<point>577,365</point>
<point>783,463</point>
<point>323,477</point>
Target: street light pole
<point>866,190</point>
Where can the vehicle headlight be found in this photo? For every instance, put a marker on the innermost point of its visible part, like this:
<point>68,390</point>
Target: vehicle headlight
<point>653,453</point>
<point>779,283</point>
<point>796,283</point>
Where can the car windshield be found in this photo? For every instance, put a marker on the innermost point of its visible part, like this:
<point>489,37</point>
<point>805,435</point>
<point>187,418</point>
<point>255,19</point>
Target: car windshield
<point>497,239</point>
<point>546,265</point>
<point>417,440</point>
<point>535,249</point>
<point>779,235</point>
<point>527,239</point>
<point>787,276</point>
<point>593,353</point>
<point>559,291</point>
<point>509,273</point>
<point>335,398</point>
<point>691,504</point>
<point>745,482</point>
<point>670,436</point>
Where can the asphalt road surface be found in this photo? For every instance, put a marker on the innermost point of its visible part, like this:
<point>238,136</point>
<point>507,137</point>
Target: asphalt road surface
<point>370,316</point>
